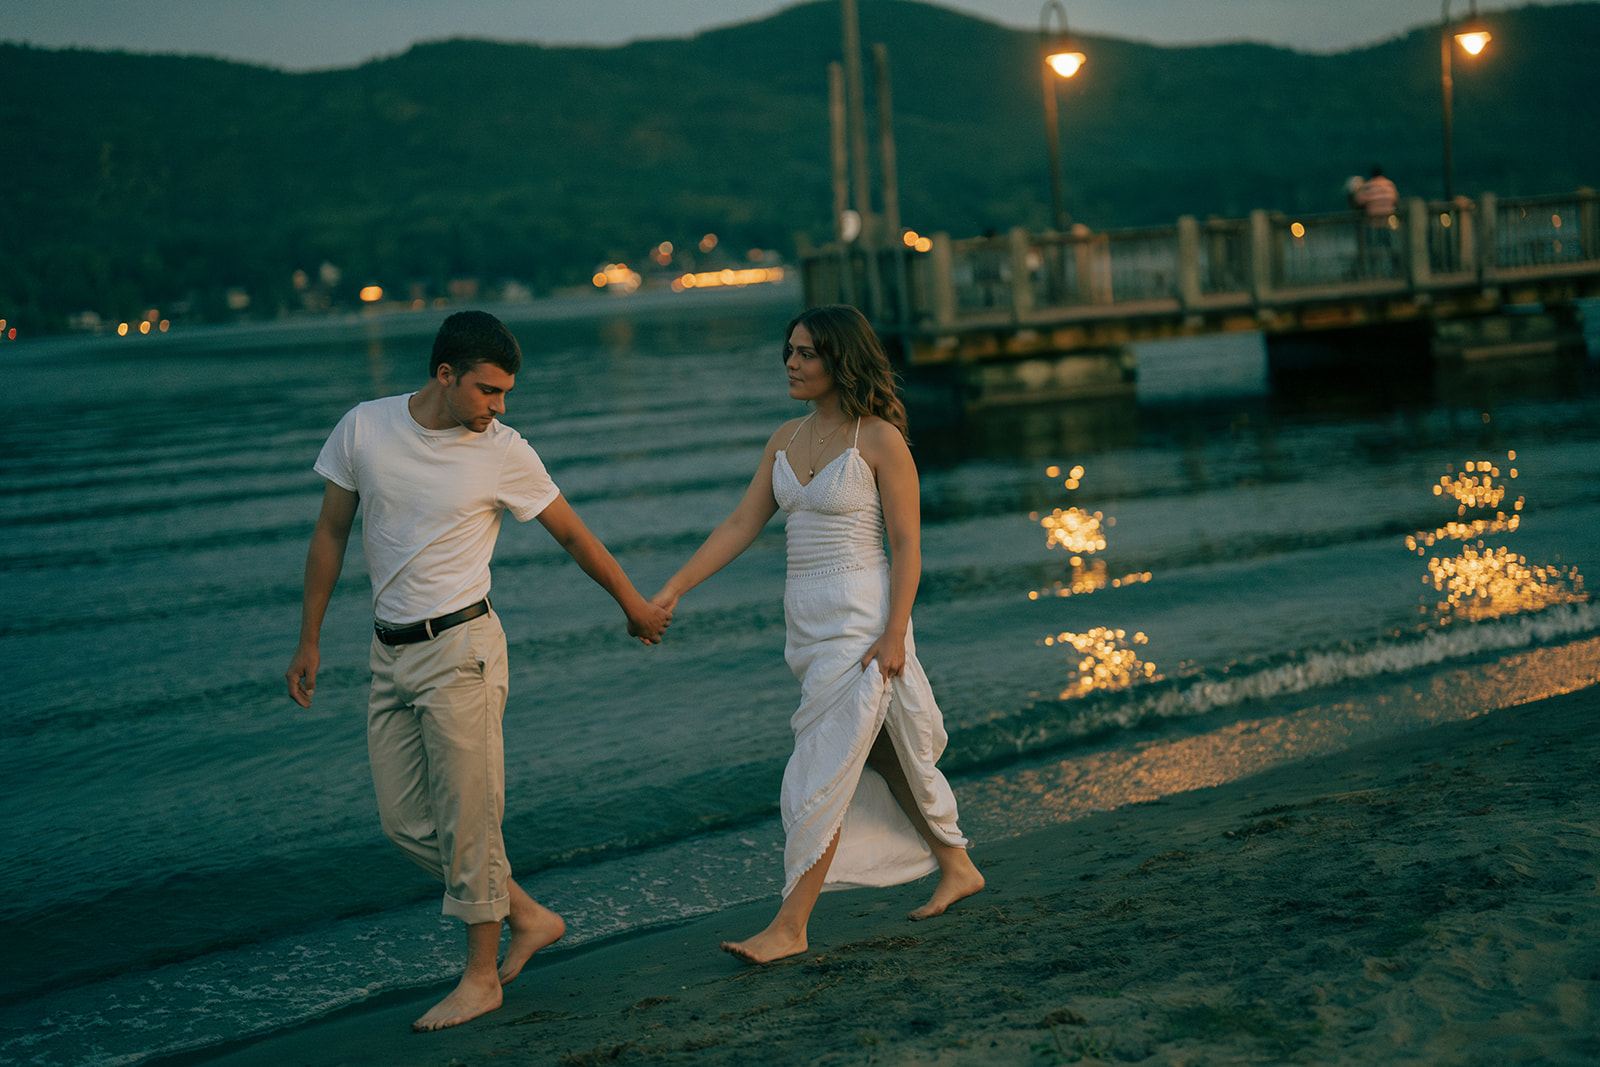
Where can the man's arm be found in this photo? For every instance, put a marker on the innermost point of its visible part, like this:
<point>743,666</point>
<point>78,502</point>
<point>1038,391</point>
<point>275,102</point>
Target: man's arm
<point>324,560</point>
<point>646,621</point>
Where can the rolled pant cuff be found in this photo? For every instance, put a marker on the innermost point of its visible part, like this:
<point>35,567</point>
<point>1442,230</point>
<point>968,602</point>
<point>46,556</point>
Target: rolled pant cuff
<point>478,911</point>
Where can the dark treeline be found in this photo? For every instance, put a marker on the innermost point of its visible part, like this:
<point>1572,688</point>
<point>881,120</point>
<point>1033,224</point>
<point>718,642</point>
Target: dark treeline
<point>136,181</point>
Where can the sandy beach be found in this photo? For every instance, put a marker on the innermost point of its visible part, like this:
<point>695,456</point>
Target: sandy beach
<point>1428,900</point>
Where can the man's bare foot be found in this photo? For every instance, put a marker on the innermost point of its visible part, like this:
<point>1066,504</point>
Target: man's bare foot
<point>533,926</point>
<point>954,885</point>
<point>770,944</point>
<point>472,998</point>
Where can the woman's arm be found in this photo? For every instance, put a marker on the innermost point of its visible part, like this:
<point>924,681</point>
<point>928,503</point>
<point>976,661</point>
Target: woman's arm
<point>886,452</point>
<point>734,534</point>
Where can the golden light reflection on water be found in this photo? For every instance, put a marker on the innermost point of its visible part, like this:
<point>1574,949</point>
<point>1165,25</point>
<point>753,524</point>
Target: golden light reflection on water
<point>1475,490</point>
<point>1483,582</point>
<point>1105,661</point>
<point>1081,533</point>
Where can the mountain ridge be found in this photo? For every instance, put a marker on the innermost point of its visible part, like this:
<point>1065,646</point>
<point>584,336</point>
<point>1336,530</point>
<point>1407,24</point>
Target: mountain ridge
<point>139,181</point>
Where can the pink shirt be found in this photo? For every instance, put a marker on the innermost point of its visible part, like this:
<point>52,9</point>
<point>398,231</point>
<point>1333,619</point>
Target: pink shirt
<point>1378,196</point>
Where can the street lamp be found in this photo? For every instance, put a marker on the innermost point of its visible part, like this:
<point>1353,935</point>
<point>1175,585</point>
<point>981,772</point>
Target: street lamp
<point>1062,59</point>
<point>1472,36</point>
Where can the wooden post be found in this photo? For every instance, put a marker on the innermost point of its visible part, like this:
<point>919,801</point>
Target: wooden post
<point>898,279</point>
<point>941,259</point>
<point>1418,269</point>
<point>1189,292</point>
<point>886,152</point>
<point>855,103</point>
<point>855,100</point>
<point>1465,214</point>
<point>1260,257</point>
<point>1021,276</point>
<point>1589,223</point>
<point>1488,209</point>
<point>837,145</point>
<point>1082,268</point>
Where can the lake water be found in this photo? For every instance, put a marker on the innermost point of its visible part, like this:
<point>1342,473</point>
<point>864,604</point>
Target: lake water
<point>1237,575</point>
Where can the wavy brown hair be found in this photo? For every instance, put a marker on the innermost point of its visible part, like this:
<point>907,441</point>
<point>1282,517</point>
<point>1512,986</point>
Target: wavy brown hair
<point>855,358</point>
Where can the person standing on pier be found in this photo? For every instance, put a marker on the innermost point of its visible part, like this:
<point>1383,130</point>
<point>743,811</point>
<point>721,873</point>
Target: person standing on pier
<point>863,802</point>
<point>433,472</point>
<point>1377,199</point>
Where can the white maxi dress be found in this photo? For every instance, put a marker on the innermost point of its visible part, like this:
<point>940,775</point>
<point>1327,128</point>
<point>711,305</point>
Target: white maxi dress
<point>835,605</point>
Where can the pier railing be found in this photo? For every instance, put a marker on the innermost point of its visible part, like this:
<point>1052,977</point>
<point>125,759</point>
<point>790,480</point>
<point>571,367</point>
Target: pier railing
<point>1209,274</point>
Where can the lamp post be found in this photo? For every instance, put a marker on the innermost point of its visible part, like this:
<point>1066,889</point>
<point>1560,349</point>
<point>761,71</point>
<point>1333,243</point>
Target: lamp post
<point>1472,36</point>
<point>1061,59</point>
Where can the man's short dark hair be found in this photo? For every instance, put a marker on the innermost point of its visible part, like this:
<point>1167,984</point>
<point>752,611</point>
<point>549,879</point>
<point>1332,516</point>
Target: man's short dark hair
<point>468,338</point>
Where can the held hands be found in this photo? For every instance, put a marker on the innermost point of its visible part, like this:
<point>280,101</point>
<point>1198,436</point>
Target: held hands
<point>648,622</point>
<point>653,618</point>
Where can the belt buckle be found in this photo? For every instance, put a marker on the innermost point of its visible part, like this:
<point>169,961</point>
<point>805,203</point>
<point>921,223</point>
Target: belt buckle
<point>389,634</point>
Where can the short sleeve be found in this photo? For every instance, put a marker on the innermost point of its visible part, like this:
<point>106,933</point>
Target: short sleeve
<point>336,461</point>
<point>526,488</point>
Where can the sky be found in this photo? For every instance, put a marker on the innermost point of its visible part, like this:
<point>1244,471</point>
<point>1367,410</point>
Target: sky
<point>319,34</point>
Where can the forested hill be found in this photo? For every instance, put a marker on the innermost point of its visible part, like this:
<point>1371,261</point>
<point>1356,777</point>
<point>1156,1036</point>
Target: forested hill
<point>131,181</point>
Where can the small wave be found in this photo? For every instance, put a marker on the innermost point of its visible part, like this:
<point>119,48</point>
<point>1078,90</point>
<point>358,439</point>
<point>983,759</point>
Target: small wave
<point>1054,724</point>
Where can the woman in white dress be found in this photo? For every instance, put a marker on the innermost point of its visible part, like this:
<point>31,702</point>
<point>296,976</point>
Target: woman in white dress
<point>862,801</point>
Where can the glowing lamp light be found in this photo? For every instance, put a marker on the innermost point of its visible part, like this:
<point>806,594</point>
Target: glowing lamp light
<point>1067,64</point>
<point>371,294</point>
<point>1473,40</point>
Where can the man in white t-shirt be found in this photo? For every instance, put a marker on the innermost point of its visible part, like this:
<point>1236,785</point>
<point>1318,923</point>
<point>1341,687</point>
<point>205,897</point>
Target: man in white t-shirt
<point>433,473</point>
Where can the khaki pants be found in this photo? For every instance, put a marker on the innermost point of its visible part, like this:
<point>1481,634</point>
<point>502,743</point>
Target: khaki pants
<point>438,761</point>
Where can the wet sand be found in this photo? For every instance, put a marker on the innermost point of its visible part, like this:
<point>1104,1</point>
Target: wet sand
<point>1432,899</point>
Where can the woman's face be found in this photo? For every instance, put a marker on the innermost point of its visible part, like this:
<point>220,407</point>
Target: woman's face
<point>809,377</point>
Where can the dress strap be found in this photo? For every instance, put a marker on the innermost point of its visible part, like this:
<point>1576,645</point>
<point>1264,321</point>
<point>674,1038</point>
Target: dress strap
<point>857,437</point>
<point>797,429</point>
<point>796,433</point>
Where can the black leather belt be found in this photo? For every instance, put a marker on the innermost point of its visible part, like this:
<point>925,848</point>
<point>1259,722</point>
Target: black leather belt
<point>428,629</point>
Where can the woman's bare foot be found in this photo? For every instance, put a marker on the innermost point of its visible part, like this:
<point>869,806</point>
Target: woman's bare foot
<point>773,943</point>
<point>533,926</point>
<point>960,881</point>
<point>473,997</point>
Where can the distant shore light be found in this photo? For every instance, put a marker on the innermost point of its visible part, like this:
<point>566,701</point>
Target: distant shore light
<point>716,278</point>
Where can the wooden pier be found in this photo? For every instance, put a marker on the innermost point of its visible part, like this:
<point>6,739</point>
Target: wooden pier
<point>1028,316</point>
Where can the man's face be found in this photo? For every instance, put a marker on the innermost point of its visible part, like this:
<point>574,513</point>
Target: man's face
<point>478,396</point>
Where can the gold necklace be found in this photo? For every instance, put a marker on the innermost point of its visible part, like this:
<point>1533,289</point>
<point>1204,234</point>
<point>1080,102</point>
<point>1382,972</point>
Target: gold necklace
<point>814,451</point>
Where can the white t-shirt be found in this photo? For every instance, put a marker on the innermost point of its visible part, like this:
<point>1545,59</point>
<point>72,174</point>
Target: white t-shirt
<point>431,502</point>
